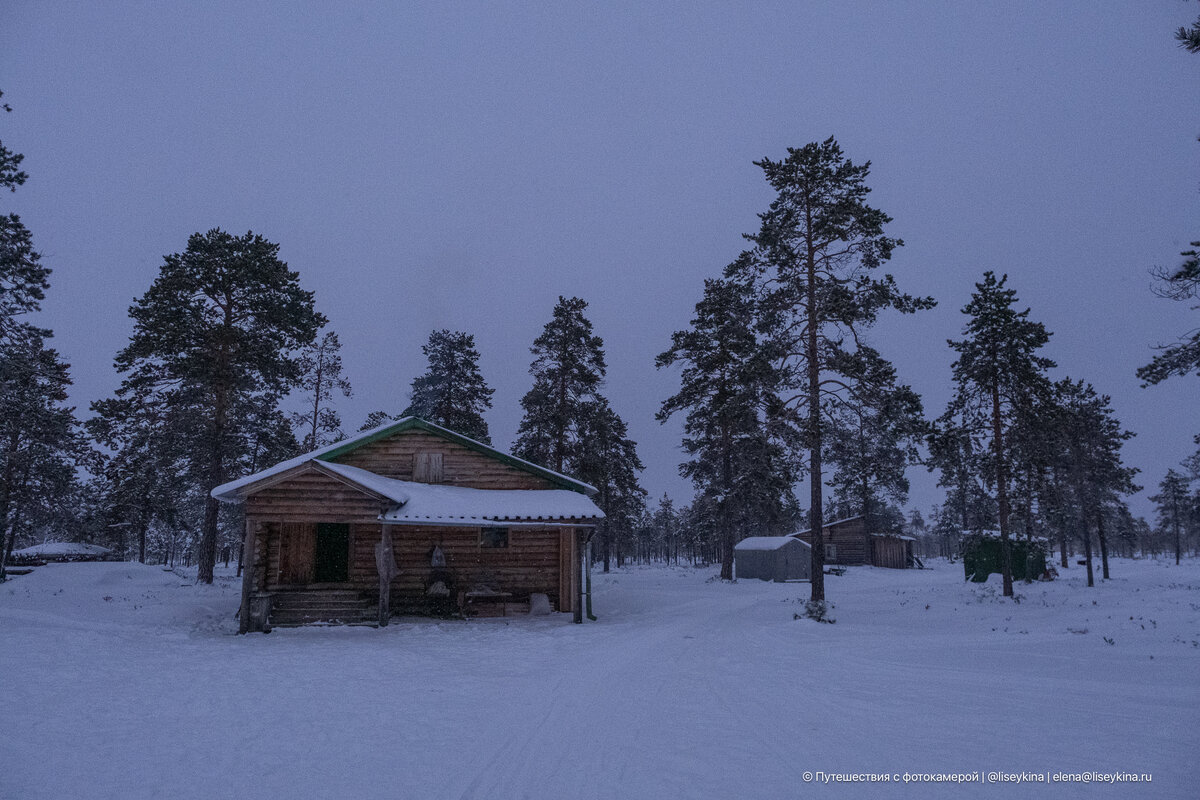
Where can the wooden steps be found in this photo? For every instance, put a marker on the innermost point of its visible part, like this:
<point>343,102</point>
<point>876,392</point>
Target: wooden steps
<point>320,605</point>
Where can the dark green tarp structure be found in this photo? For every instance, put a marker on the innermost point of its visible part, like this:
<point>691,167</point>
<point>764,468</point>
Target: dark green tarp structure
<point>981,557</point>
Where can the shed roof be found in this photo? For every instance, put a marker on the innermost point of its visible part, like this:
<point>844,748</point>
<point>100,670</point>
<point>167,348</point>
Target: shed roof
<point>767,542</point>
<point>231,492</point>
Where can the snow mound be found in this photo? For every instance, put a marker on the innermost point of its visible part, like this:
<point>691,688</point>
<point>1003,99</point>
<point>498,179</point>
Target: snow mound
<point>63,549</point>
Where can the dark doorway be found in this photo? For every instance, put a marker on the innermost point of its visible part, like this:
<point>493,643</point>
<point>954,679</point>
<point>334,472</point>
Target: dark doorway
<point>333,553</point>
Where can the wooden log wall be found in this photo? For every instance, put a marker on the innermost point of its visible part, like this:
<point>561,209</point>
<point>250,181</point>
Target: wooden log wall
<point>461,466</point>
<point>532,562</point>
<point>311,496</point>
<point>536,560</point>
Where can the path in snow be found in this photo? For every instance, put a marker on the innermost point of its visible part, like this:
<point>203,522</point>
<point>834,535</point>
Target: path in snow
<point>124,681</point>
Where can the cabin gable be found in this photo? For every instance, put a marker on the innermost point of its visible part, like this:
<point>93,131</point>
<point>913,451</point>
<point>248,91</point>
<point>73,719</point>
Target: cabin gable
<point>407,454</point>
<point>307,494</point>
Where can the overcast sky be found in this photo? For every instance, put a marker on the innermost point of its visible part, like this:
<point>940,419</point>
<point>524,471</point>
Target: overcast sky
<point>461,165</point>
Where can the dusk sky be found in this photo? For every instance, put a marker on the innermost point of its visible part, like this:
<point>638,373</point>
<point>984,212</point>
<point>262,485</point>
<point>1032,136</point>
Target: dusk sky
<point>461,165</point>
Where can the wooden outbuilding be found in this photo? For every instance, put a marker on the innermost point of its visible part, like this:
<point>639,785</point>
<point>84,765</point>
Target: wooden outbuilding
<point>773,558</point>
<point>408,518</point>
<point>847,542</point>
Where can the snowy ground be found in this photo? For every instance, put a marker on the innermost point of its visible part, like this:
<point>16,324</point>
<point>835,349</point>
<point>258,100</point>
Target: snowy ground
<point>125,681</point>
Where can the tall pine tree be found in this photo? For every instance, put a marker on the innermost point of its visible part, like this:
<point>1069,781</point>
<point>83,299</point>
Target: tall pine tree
<point>452,392</point>
<point>997,378</point>
<point>814,260</point>
<point>218,332</point>
<point>40,441</point>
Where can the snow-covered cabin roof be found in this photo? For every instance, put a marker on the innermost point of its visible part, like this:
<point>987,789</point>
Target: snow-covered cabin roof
<point>828,524</point>
<point>416,503</point>
<point>63,549</point>
<point>231,492</point>
<point>766,542</point>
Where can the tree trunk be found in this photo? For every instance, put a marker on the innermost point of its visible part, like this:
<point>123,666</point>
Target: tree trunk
<point>1001,492</point>
<point>816,522</point>
<point>1087,550</point>
<point>1103,544</point>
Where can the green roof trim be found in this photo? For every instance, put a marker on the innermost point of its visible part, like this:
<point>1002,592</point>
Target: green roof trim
<point>415,423</point>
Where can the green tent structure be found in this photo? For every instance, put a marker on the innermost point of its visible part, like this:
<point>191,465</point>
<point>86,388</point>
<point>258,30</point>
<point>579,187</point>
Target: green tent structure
<point>981,557</point>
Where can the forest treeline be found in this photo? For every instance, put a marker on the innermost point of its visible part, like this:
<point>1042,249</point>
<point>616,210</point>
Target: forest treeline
<point>231,368</point>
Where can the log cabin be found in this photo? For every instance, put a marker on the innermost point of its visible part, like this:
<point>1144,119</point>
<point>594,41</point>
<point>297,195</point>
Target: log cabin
<point>408,518</point>
<point>847,542</point>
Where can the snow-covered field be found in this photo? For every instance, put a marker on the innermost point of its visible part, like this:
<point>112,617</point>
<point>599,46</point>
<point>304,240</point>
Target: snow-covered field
<point>125,681</point>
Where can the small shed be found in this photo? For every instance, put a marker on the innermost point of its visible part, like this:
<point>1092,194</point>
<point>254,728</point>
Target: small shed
<point>773,558</point>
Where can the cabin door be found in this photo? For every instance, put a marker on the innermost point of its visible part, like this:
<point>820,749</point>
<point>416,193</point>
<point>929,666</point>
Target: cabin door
<point>332,553</point>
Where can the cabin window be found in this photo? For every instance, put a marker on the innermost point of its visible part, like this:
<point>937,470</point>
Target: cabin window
<point>831,552</point>
<point>493,538</point>
<point>427,467</point>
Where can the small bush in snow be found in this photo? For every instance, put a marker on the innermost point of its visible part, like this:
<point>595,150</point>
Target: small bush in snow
<point>816,611</point>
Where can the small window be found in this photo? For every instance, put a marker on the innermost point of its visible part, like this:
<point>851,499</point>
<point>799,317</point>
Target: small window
<point>427,467</point>
<point>493,537</point>
<point>831,552</point>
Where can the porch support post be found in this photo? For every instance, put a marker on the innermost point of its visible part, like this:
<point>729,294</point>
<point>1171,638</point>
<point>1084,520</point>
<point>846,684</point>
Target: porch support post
<point>248,573</point>
<point>385,563</point>
<point>577,577</point>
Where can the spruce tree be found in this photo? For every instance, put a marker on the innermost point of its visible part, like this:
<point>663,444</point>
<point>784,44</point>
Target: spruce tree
<point>218,332</point>
<point>320,365</point>
<point>568,369</point>
<point>814,259</point>
<point>997,376</point>
<point>452,392</point>
<point>738,445</point>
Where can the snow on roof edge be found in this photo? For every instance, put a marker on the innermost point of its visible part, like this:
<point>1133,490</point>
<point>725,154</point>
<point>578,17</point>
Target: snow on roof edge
<point>767,542</point>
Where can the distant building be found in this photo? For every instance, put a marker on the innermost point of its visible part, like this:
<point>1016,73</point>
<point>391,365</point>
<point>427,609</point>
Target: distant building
<point>848,542</point>
<point>773,558</point>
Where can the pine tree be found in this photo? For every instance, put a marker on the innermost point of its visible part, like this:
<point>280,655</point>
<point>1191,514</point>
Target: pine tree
<point>452,392</point>
<point>1183,358</point>
<point>814,256</point>
<point>145,476</point>
<point>217,332</point>
<point>375,419</point>
<point>320,365</point>
<point>873,442</point>
<point>997,376</point>
<point>1088,440</point>
<point>40,442</point>
<point>733,431</point>
<point>609,461</point>
<point>568,369</point>
<point>11,175</point>
<point>1174,506</point>
<point>40,445</point>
